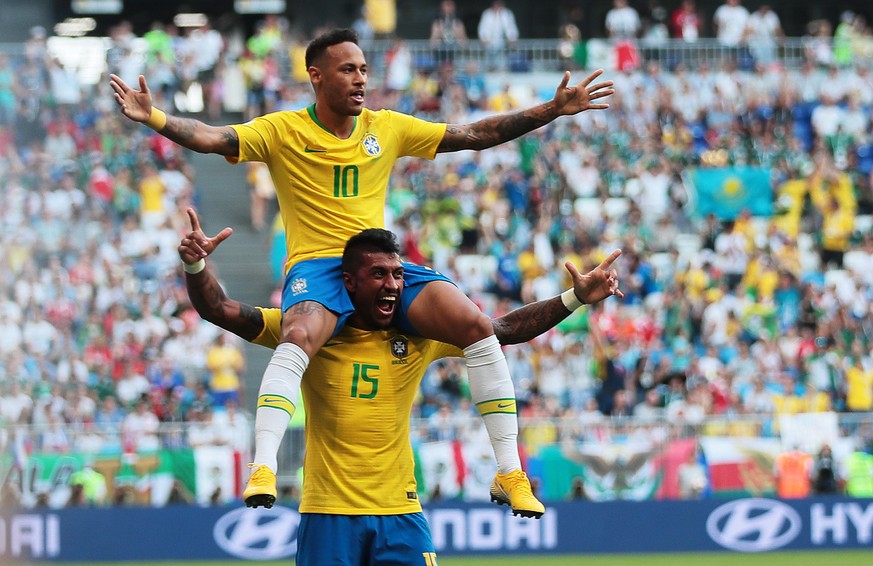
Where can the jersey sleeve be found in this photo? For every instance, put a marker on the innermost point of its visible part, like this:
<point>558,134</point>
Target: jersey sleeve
<point>272,331</point>
<point>419,138</point>
<point>443,350</point>
<point>256,138</point>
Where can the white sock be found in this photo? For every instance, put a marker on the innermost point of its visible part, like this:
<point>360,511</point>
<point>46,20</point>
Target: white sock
<point>277,399</point>
<point>494,397</point>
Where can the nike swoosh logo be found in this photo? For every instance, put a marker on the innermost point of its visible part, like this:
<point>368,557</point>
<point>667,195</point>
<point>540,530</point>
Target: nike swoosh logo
<point>308,149</point>
<point>271,400</point>
<point>503,405</point>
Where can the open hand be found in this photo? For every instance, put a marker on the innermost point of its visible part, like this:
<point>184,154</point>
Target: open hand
<point>135,104</point>
<point>574,99</point>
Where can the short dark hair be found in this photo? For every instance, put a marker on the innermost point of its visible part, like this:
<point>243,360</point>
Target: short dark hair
<point>319,45</point>
<point>371,240</point>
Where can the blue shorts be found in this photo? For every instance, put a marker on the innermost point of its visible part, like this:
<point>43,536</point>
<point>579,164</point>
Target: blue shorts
<point>353,540</point>
<point>321,280</point>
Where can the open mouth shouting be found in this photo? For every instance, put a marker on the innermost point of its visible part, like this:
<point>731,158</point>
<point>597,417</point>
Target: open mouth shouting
<point>386,305</point>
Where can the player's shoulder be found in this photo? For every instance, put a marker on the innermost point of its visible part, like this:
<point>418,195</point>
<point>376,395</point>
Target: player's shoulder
<point>280,117</point>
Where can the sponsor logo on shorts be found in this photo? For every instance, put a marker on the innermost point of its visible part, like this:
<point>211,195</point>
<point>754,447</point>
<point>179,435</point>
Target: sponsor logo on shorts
<point>298,286</point>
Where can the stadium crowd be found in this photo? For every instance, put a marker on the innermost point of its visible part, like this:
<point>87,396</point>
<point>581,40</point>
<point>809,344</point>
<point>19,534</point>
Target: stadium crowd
<point>722,316</point>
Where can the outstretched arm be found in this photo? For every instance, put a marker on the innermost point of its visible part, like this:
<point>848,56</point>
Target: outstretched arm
<point>207,296</point>
<point>529,321</point>
<point>193,134</point>
<point>496,130</point>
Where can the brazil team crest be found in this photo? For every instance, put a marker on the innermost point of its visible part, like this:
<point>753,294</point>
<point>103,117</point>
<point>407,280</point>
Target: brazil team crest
<point>400,347</point>
<point>371,145</point>
<point>298,286</point>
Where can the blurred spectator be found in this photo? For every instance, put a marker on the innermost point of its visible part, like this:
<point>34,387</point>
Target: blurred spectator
<point>398,66</point>
<point>90,483</point>
<point>622,21</point>
<point>837,226</point>
<point>793,473</point>
<point>7,91</point>
<point>262,193</point>
<point>382,16</point>
<point>763,32</point>
<point>686,22</point>
<point>139,429</point>
<point>202,431</point>
<point>730,21</point>
<point>859,474</point>
<point>234,428</point>
<point>825,480</point>
<point>225,362</point>
<point>845,36</point>
<point>497,31</point>
<point>447,33</point>
<point>693,481</point>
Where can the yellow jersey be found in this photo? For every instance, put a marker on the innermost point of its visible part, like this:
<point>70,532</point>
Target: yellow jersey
<point>360,387</point>
<point>330,189</point>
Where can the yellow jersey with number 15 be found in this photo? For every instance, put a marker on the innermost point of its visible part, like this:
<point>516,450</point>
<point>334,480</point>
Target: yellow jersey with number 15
<point>330,189</point>
<point>360,387</point>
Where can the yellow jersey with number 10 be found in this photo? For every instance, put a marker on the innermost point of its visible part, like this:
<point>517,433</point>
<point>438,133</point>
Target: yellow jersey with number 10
<point>330,189</point>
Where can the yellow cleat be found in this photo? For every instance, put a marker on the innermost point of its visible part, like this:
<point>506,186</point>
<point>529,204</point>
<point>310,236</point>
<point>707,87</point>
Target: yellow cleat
<point>261,489</point>
<point>513,489</point>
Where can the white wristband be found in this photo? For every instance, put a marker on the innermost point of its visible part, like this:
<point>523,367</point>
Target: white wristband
<point>570,301</point>
<point>198,266</point>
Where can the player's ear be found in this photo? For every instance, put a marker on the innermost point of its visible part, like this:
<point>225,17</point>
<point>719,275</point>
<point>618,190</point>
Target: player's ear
<point>314,75</point>
<point>349,282</point>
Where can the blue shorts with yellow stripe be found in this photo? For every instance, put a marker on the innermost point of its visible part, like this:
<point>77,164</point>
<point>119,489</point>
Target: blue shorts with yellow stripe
<point>353,540</point>
<point>321,280</point>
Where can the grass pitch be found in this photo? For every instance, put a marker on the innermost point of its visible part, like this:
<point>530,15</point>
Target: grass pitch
<point>806,558</point>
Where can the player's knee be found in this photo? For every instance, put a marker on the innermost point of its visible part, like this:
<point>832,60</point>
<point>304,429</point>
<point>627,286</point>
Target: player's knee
<point>476,327</point>
<point>301,337</point>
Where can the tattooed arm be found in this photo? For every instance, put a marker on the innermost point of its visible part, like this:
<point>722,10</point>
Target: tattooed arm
<point>213,305</point>
<point>496,130</point>
<point>529,321</point>
<point>193,134</point>
<point>207,296</point>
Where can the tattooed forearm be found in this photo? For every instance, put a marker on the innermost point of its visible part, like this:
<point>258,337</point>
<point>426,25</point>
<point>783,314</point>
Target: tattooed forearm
<point>529,321</point>
<point>251,322</point>
<point>496,130</point>
<point>213,305</point>
<point>207,296</point>
<point>197,136</point>
<point>180,130</point>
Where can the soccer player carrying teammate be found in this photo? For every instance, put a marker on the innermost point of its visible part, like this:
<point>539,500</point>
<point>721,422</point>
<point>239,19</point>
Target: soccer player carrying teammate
<point>331,164</point>
<point>358,480</point>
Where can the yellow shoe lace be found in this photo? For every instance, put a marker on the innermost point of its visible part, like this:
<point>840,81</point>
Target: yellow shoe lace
<point>261,476</point>
<point>518,484</point>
